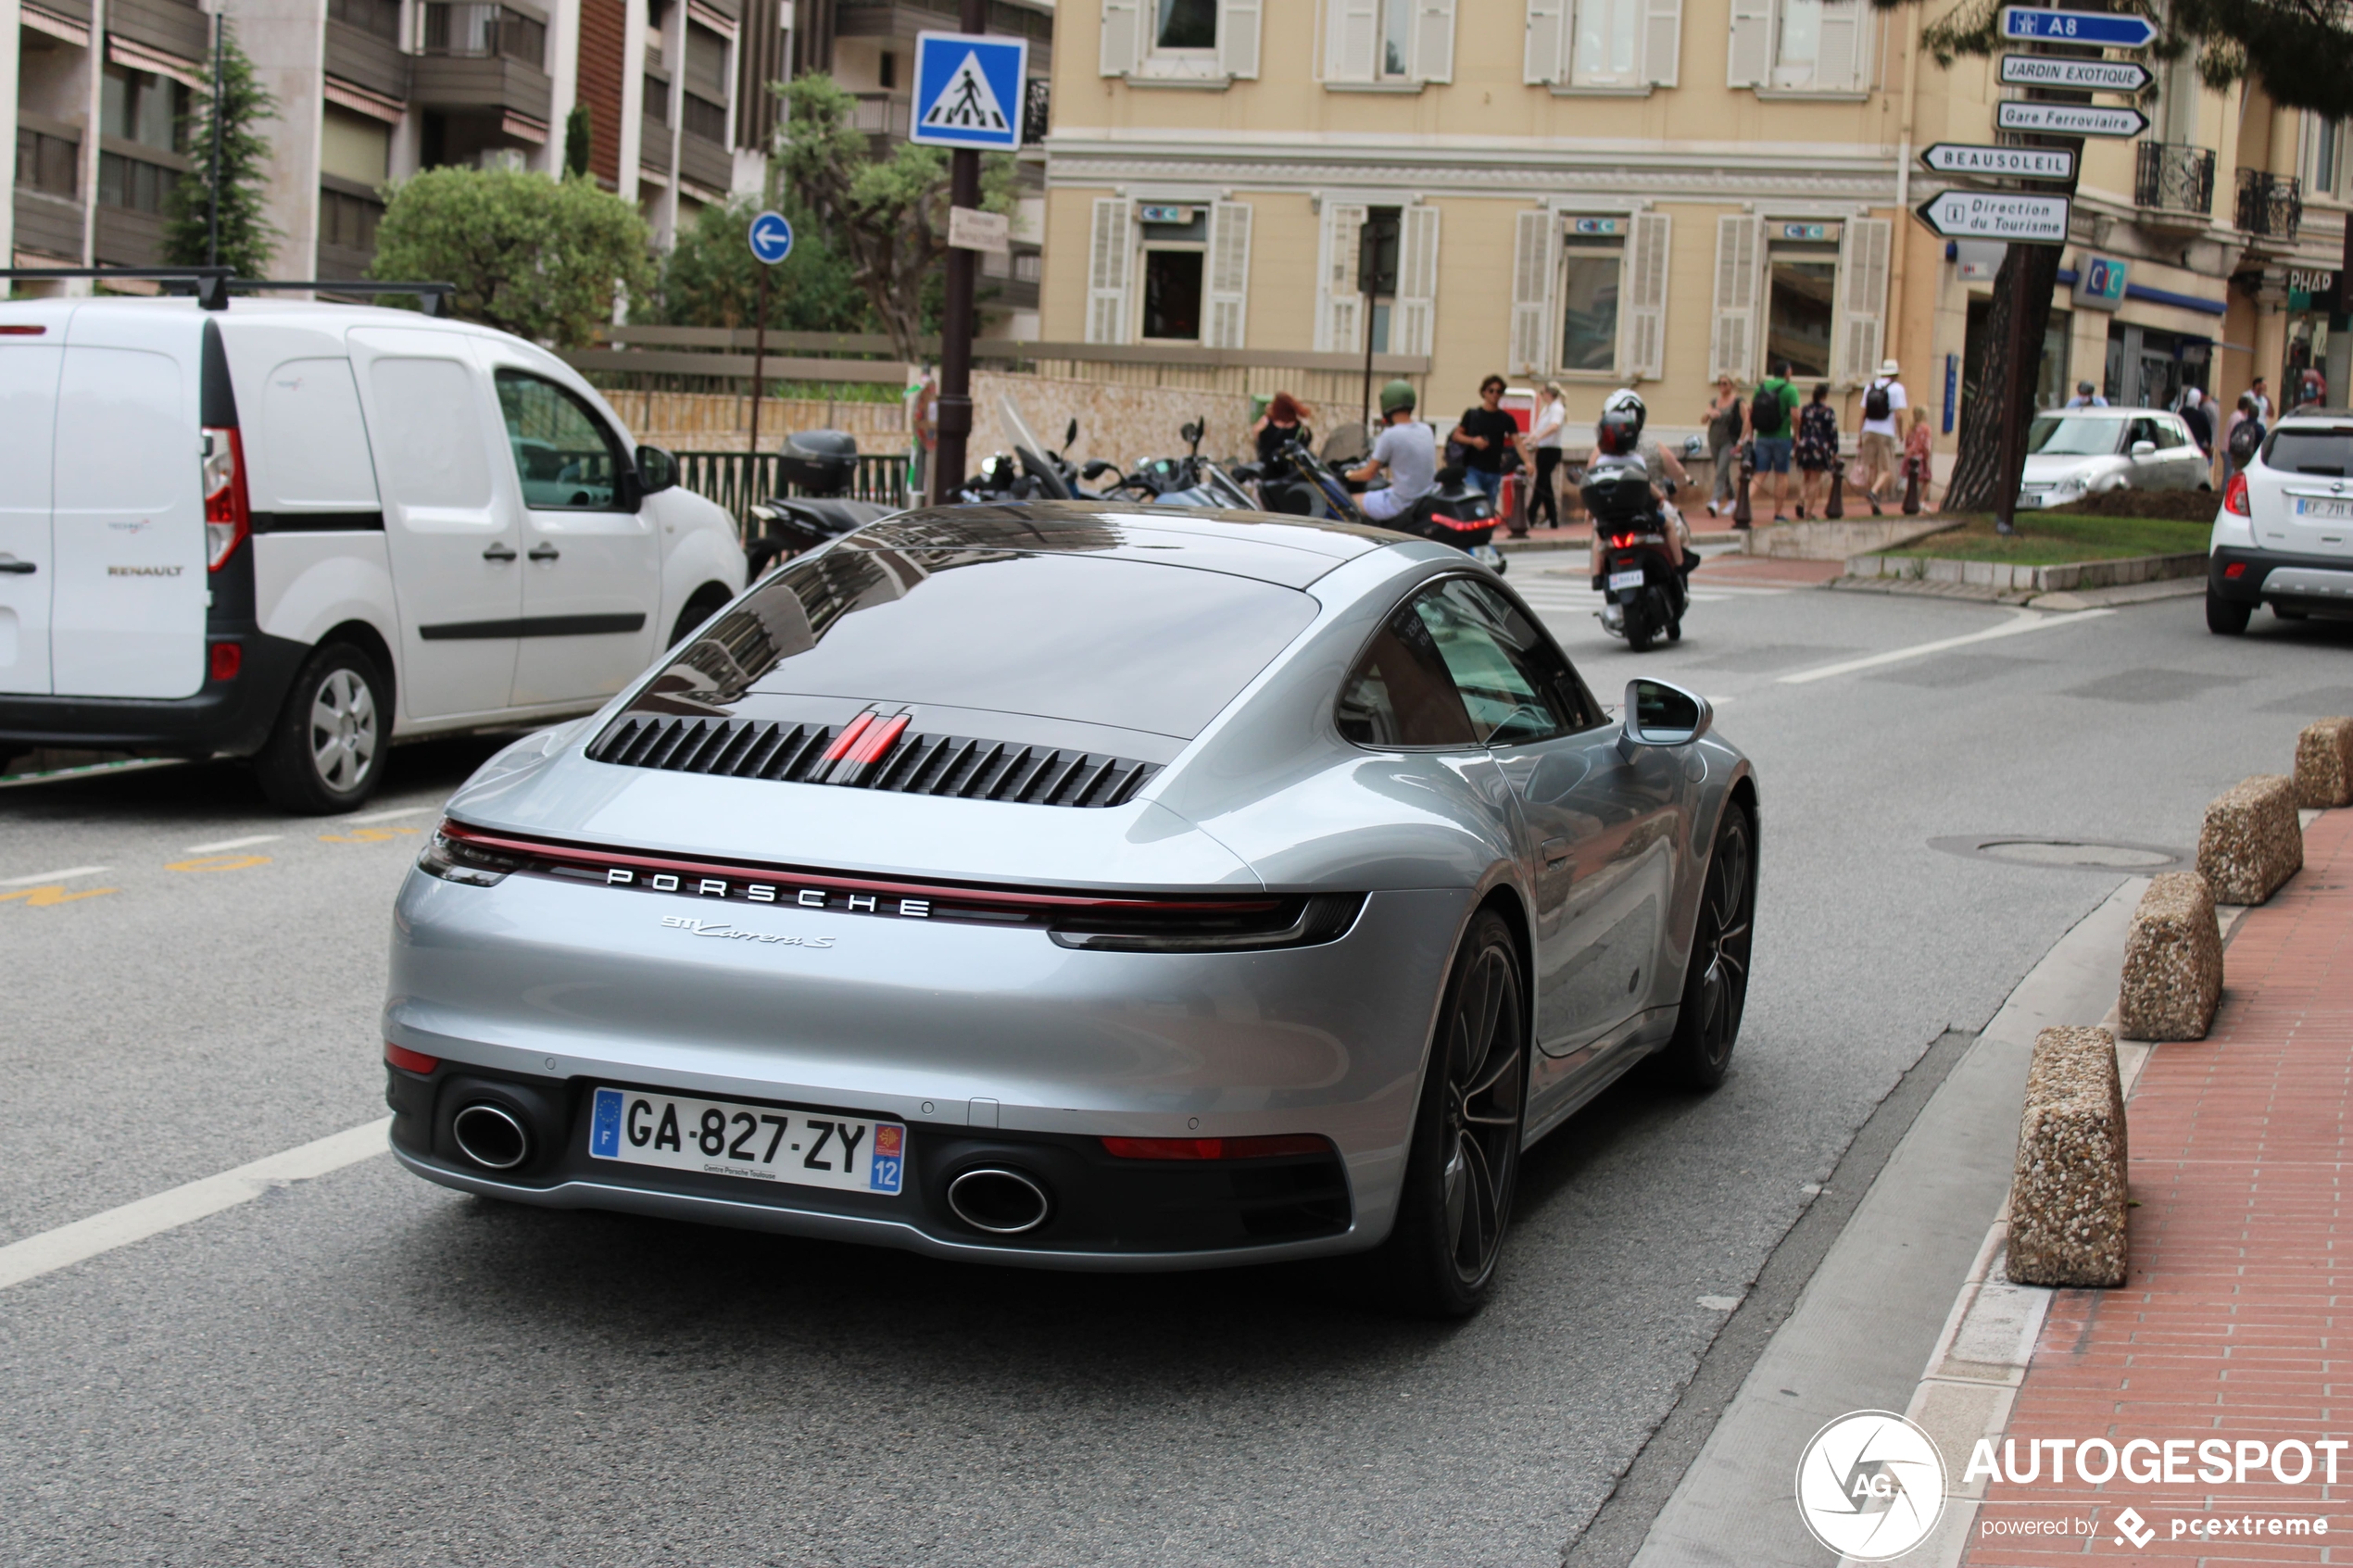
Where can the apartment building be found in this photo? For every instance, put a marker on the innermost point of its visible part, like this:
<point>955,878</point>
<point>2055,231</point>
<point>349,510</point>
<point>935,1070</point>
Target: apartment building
<point>1654,192</point>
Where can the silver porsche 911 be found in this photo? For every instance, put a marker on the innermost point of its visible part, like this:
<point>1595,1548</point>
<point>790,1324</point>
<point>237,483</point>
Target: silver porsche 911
<point>1083,886</point>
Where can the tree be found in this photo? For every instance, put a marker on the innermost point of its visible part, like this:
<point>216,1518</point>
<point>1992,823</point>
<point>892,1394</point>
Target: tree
<point>542,258</point>
<point>247,238</point>
<point>888,217</point>
<point>578,140</point>
<point>712,280</point>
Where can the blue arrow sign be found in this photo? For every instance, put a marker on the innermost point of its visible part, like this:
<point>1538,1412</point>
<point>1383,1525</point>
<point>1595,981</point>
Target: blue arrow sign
<point>770,238</point>
<point>969,90</point>
<point>2109,30</point>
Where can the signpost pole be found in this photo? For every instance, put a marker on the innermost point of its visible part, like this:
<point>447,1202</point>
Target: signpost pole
<point>2018,407</point>
<point>759,365</point>
<point>954,410</point>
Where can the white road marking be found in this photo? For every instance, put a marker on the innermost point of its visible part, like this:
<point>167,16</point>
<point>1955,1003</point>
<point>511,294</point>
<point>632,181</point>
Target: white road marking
<point>387,816</point>
<point>2025,621</point>
<point>220,845</point>
<point>136,1221</point>
<point>65,876</point>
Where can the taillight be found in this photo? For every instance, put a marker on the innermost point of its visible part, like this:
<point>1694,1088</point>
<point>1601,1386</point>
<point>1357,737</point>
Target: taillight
<point>1218,1149</point>
<point>227,515</point>
<point>409,1060</point>
<point>1295,922</point>
<point>2234,496</point>
<point>475,865</point>
<point>2235,571</point>
<point>227,659</point>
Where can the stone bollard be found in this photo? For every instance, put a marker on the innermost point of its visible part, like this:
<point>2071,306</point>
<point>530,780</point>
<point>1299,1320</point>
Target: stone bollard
<point>2067,1194</point>
<point>2172,962</point>
<point>2252,841</point>
<point>2324,763</point>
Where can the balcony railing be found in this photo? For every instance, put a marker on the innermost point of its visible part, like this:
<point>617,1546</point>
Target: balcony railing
<point>2270,205</point>
<point>2173,178</point>
<point>700,117</point>
<point>481,32</point>
<point>46,163</point>
<point>380,18</point>
<point>881,113</point>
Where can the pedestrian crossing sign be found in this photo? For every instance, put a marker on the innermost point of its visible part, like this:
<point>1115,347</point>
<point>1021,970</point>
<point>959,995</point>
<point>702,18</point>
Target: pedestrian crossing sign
<point>969,90</point>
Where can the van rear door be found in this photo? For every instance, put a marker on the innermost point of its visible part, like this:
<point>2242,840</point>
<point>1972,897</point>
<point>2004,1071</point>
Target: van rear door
<point>32,348</point>
<point>127,610</point>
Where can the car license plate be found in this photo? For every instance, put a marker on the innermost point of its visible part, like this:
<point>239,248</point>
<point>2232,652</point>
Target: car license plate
<point>1625,579</point>
<point>759,1142</point>
<point>2323,508</point>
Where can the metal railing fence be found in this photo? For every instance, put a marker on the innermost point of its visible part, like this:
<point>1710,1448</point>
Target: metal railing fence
<point>734,480</point>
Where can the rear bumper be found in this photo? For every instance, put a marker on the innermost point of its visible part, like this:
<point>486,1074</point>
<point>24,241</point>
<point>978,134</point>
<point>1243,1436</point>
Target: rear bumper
<point>224,718</point>
<point>2253,577</point>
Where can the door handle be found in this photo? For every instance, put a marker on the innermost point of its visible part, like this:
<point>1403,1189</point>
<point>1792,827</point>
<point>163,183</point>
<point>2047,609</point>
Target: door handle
<point>16,568</point>
<point>1555,851</point>
<point>545,552</point>
<point>499,550</point>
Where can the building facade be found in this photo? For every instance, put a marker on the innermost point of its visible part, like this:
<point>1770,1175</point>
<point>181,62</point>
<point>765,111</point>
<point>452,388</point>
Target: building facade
<point>1654,191</point>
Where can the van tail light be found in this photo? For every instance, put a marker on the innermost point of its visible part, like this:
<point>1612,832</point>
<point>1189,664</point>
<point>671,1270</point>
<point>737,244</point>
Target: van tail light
<point>2234,496</point>
<point>228,517</point>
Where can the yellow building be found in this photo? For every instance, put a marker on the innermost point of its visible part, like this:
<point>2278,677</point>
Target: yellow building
<point>1653,190</point>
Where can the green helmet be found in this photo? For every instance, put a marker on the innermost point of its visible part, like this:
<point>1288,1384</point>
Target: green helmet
<point>1396,395</point>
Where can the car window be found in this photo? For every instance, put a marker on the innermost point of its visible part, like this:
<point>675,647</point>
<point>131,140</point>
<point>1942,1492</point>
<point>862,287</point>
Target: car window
<point>1399,693</point>
<point>2173,433</point>
<point>2143,429</point>
<point>1512,680</point>
<point>564,458</point>
<point>2324,450</point>
<point>2072,435</point>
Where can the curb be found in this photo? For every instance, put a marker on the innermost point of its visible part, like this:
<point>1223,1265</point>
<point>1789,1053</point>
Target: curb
<point>2005,577</point>
<point>1970,592</point>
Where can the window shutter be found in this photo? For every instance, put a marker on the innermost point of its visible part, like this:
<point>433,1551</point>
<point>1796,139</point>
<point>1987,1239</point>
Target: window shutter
<point>1547,27</point>
<point>1229,274</point>
<point>1339,302</point>
<point>1662,41</point>
<point>1108,259</point>
<point>1355,32</point>
<point>1416,309</point>
<point>1641,348</point>
<point>1837,64</point>
<point>1533,253</point>
<point>1123,30</point>
<point>1750,59</point>
<point>1731,346</point>
<point>1237,40</point>
<point>1862,298</point>
<point>1434,41</point>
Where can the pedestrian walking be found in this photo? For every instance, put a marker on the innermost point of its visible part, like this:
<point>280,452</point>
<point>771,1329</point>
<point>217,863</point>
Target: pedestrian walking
<point>1817,450</point>
<point>1919,454</point>
<point>2200,417</point>
<point>1485,433</point>
<point>2086,397</point>
<point>1284,421</point>
<point>2262,396</point>
<point>923,414</point>
<point>1727,422</point>
<point>2246,434</point>
<point>1770,414</point>
<point>1885,401</point>
<point>1542,446</point>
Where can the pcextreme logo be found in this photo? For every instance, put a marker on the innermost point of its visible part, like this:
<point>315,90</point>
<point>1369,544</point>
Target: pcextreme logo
<point>1871,1486</point>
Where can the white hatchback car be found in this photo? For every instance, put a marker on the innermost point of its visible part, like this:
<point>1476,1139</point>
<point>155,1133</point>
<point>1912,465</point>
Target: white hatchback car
<point>2284,535</point>
<point>293,532</point>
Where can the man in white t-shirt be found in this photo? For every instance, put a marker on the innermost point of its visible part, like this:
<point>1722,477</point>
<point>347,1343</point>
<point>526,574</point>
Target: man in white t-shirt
<point>1883,405</point>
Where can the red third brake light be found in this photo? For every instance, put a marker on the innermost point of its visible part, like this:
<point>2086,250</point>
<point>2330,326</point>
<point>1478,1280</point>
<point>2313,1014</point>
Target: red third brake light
<point>2234,496</point>
<point>848,738</point>
<point>1218,1149</point>
<point>227,515</point>
<point>877,740</point>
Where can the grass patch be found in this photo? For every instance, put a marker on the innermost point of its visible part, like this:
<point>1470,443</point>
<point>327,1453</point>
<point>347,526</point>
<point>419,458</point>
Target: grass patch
<point>2055,538</point>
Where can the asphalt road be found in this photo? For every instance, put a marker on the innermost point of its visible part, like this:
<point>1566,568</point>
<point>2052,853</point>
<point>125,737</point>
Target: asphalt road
<point>364,1368</point>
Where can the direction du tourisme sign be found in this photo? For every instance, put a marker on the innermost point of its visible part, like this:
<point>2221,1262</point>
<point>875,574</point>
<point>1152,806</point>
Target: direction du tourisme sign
<point>969,90</point>
<point>1996,215</point>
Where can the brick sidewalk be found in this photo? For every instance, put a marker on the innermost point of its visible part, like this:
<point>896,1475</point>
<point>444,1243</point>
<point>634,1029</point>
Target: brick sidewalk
<point>2227,1326</point>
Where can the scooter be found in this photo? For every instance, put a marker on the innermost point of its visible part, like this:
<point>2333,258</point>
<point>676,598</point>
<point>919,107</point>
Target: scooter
<point>1032,471</point>
<point>1299,482</point>
<point>823,466</point>
<point>1190,481</point>
<point>1646,592</point>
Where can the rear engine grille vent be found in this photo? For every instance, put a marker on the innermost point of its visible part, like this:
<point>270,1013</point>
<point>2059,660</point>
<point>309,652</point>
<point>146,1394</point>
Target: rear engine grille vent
<point>912,764</point>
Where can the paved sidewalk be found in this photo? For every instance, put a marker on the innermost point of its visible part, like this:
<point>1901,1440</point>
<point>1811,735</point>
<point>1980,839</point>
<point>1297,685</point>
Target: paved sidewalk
<point>2226,1329</point>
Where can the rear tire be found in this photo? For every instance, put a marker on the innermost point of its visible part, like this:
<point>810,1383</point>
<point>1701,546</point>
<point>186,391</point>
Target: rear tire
<point>1716,980</point>
<point>327,752</point>
<point>1462,1163</point>
<point>1638,632</point>
<point>2224,617</point>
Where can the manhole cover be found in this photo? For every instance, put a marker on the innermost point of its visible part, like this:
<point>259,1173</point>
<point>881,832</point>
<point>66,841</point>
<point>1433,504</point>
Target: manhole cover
<point>2078,853</point>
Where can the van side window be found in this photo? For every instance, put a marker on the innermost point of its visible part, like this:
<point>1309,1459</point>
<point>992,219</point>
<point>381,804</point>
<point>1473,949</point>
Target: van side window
<point>564,457</point>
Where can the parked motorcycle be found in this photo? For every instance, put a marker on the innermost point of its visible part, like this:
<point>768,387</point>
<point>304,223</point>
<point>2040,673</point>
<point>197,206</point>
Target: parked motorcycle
<point>822,464</point>
<point>1032,471</point>
<point>1297,482</point>
<point>1646,591</point>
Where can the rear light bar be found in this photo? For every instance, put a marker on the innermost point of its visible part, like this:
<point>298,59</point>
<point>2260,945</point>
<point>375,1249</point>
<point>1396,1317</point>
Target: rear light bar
<point>2234,496</point>
<point>1113,923</point>
<point>409,1060</point>
<point>1218,1149</point>
<point>228,515</point>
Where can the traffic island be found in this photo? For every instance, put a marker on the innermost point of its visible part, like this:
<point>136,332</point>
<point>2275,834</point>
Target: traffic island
<point>2252,840</point>
<point>2051,555</point>
<point>2324,764</point>
<point>2068,1203</point>
<point>2172,962</point>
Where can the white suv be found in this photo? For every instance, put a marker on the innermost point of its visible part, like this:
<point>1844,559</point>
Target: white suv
<point>2284,535</point>
<point>292,531</point>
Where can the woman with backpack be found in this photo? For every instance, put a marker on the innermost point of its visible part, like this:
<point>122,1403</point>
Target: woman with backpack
<point>1770,415</point>
<point>1816,451</point>
<point>2246,435</point>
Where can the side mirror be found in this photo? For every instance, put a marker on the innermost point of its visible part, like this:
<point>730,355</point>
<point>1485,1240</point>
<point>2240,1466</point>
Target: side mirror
<point>2144,448</point>
<point>1069,436</point>
<point>1658,714</point>
<point>657,471</point>
<point>1096,467</point>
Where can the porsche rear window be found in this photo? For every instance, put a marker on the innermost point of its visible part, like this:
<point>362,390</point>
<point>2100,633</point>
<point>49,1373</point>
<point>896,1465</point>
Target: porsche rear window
<point>1093,640</point>
<point>2327,452</point>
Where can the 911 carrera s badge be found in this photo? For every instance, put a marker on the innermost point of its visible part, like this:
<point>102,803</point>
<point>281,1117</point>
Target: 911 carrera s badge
<point>725,932</point>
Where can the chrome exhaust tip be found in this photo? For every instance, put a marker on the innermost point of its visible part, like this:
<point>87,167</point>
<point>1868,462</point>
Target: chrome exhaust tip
<point>490,1135</point>
<point>998,1201</point>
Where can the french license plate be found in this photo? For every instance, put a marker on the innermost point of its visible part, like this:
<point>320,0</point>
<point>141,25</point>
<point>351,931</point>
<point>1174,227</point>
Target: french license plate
<point>759,1142</point>
<point>2323,507</point>
<point>1625,579</point>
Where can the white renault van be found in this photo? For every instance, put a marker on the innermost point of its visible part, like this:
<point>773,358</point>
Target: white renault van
<point>293,532</point>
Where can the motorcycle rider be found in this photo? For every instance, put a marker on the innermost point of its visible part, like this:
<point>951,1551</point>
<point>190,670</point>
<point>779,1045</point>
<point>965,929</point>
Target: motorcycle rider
<point>1407,448</point>
<point>1619,433</point>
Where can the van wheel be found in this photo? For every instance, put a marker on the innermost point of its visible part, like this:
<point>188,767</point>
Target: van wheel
<point>327,753</point>
<point>700,608</point>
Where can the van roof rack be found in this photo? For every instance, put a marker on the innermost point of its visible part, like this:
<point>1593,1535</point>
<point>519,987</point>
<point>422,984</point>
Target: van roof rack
<point>211,285</point>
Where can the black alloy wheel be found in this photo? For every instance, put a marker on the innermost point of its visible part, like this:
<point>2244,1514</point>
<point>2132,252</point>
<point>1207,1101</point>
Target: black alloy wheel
<point>1716,982</point>
<point>2224,617</point>
<point>1441,1259</point>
